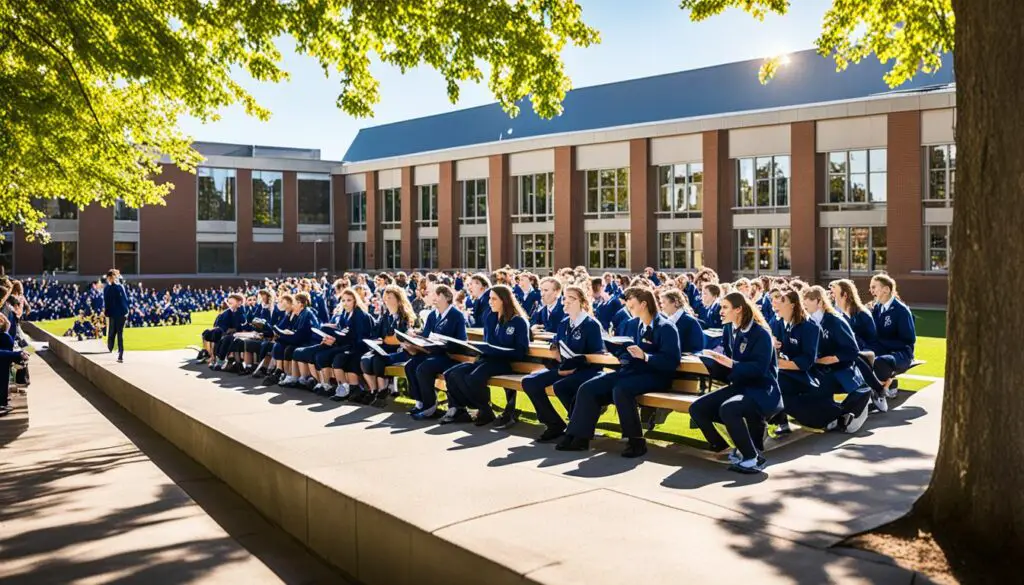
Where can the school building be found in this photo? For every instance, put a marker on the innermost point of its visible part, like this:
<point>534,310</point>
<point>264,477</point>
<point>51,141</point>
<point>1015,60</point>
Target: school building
<point>817,174</point>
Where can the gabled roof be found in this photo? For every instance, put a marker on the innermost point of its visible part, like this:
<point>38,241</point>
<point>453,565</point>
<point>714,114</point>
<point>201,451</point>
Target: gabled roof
<point>808,78</point>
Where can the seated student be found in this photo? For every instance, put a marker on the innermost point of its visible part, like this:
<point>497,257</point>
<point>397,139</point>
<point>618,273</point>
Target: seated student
<point>302,323</point>
<point>345,364</point>
<point>677,310</point>
<point>835,371</point>
<point>211,336</point>
<point>528,296</point>
<point>505,327</point>
<point>709,314</point>
<point>397,317</point>
<point>235,321</point>
<point>477,304</point>
<point>422,368</point>
<point>847,300</point>
<point>894,350</point>
<point>549,312</point>
<point>797,350</point>
<point>605,306</point>
<point>753,393</point>
<point>9,355</point>
<point>315,360</point>
<point>581,332</point>
<point>649,365</point>
<point>775,323</point>
<point>264,316</point>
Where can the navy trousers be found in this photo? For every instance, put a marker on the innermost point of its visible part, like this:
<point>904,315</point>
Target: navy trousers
<point>467,383</point>
<point>888,366</point>
<point>818,408</point>
<point>565,387</point>
<point>115,330</point>
<point>620,388</point>
<point>740,414</point>
<point>421,371</point>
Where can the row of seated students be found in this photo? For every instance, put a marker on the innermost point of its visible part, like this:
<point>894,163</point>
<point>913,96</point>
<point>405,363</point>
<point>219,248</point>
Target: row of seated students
<point>789,365</point>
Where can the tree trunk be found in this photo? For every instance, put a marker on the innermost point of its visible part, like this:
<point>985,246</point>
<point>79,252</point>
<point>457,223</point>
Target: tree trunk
<point>976,495</point>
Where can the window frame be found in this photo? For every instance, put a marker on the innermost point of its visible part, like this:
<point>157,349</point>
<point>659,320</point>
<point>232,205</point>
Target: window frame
<point>758,248</point>
<point>868,173</point>
<point>948,171</point>
<point>275,202</point>
<point>603,249</point>
<point>522,195</point>
<point>428,251</point>
<point>392,259</point>
<point>929,248</point>
<point>230,201</point>
<point>478,198</point>
<point>307,177</point>
<point>847,250</point>
<point>594,186</point>
<point>63,256</point>
<point>772,183</point>
<point>464,252</point>
<point>669,190</point>
<point>134,253</point>
<point>357,207</point>
<point>431,192</point>
<point>694,255</point>
<point>120,208</point>
<point>523,253</point>
<point>234,257</point>
<point>352,255</point>
<point>394,207</point>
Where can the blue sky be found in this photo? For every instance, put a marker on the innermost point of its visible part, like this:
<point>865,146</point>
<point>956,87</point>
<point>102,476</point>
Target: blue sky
<point>639,38</point>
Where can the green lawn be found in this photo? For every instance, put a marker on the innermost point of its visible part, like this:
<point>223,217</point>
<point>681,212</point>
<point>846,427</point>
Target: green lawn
<point>151,338</point>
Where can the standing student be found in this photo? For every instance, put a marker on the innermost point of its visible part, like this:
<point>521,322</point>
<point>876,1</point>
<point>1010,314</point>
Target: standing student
<point>677,310</point>
<point>649,365</point>
<point>397,317</point>
<point>9,355</point>
<point>506,327</point>
<point>858,316</point>
<point>894,351</point>
<point>797,348</point>
<point>422,368</point>
<point>753,393</point>
<point>115,307</point>
<point>581,332</point>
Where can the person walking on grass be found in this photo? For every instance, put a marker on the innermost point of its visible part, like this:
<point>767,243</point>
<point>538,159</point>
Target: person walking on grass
<point>115,307</point>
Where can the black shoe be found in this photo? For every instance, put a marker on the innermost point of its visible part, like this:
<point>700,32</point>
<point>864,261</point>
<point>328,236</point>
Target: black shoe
<point>509,417</point>
<point>270,380</point>
<point>485,417</point>
<point>120,359</point>
<point>636,448</point>
<point>550,434</point>
<point>571,443</point>
<point>357,396</point>
<point>460,416</point>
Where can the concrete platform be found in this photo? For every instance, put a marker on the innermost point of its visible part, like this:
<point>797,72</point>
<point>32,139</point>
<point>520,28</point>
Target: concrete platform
<point>393,501</point>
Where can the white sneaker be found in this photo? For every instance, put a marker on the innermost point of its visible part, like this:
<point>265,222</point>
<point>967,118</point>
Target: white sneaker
<point>879,402</point>
<point>855,422</point>
<point>734,456</point>
<point>341,391</point>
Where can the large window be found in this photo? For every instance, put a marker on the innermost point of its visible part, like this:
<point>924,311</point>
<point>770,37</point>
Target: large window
<point>765,250</point>
<point>681,190</point>
<point>474,252</point>
<point>856,249</point>
<point>857,176</point>
<point>57,208</point>
<point>215,258</point>
<point>533,198</point>
<point>267,193</point>
<point>314,199</point>
<point>608,250</point>
<point>939,250</point>
<point>60,257</point>
<point>680,250</point>
<point>474,201</point>
<point>124,213</point>
<point>427,205</point>
<point>763,182</point>
<point>392,254</point>
<point>535,251</point>
<point>428,253</point>
<point>126,257</point>
<point>941,175</point>
<point>7,254</point>
<point>357,258</point>
<point>216,194</point>
<point>391,205</point>
<point>608,193</point>
<point>357,210</point>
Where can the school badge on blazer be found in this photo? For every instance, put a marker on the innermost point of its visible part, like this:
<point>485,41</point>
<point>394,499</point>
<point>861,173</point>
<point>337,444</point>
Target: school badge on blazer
<point>577,335</point>
<point>510,330</point>
<point>888,321</point>
<point>743,346</point>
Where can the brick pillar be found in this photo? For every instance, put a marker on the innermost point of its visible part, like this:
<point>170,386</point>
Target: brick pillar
<point>296,257</point>
<point>245,250</point>
<point>167,234</point>
<point>806,252</point>
<point>95,240</point>
<point>904,214</point>
<point>642,203</point>
<point>373,231</point>
<point>339,222</point>
<point>569,205</point>
<point>28,256</point>
<point>718,199</point>
<point>447,249</point>
<point>409,241</point>
<point>498,212</point>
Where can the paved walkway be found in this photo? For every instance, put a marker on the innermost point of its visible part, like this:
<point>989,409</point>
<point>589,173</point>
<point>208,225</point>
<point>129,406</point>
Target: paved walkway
<point>90,495</point>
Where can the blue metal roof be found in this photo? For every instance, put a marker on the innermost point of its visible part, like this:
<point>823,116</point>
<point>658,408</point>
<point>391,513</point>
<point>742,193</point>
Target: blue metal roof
<point>722,89</point>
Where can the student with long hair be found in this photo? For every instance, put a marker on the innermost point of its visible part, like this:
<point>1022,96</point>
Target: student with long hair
<point>581,333</point>
<point>675,307</point>
<point>264,316</point>
<point>398,316</point>
<point>649,364</point>
<point>477,304</point>
<point>894,350</point>
<point>797,348</point>
<point>314,360</point>
<point>301,326</point>
<point>345,364</point>
<point>115,307</point>
<point>505,327</point>
<point>605,305</point>
<point>752,395</point>
<point>422,369</point>
<point>283,319</point>
<point>859,317</point>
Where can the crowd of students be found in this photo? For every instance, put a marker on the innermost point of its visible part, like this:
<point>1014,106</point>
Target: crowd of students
<point>13,357</point>
<point>782,348</point>
<point>149,307</point>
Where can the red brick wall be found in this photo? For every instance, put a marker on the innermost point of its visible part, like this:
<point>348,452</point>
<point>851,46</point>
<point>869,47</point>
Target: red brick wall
<point>642,204</point>
<point>28,256</point>
<point>803,202</point>
<point>498,212</point>
<point>447,249</point>
<point>373,231</point>
<point>904,208</point>
<point>340,211</point>
<point>167,238</point>
<point>568,209</point>
<point>248,260</point>
<point>410,249</point>
<point>95,240</point>
<point>718,200</point>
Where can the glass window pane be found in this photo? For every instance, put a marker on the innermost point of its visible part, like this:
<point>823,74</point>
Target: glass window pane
<point>939,260</point>
<point>592,203</point>
<point>665,240</point>
<point>837,163</point>
<point>680,240</point>
<point>782,192</point>
<point>747,238</point>
<point>595,241</point>
<point>879,188</point>
<point>858,188</point>
<point>837,238</point>
<point>878,237</point>
<point>837,189</point>
<point>315,201</point>
<point>937,185</point>
<point>622,198</point>
<point>665,198</point>
<point>764,193</point>
<point>781,167</point>
<point>592,179</point>
<point>877,159</point>
<point>951,154</point>
<point>595,259</point>
<point>609,240</point>
<point>858,161</point>
<point>746,182</point>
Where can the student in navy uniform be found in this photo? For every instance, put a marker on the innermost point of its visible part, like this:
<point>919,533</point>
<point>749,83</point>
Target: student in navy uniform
<point>477,304</point>
<point>301,325</point>
<point>397,317</point>
<point>894,350</point>
<point>549,312</point>
<point>648,366</point>
<point>422,368</point>
<point>282,319</point>
<point>345,364</point>
<point>847,301</point>
<point>581,332</point>
<point>605,307</point>
<point>236,318</point>
<point>9,355</point>
<point>677,310</point>
<point>710,310</point>
<point>528,295</point>
<point>314,359</point>
<point>797,347</point>
<point>505,327</point>
<point>753,393</point>
<point>264,315</point>
<point>115,307</point>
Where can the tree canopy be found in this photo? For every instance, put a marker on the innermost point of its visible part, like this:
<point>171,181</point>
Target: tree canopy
<point>93,89</point>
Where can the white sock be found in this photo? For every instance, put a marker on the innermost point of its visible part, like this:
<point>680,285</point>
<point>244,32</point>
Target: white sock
<point>290,379</point>
<point>342,390</point>
<point>429,411</point>
<point>305,379</point>
<point>419,405</point>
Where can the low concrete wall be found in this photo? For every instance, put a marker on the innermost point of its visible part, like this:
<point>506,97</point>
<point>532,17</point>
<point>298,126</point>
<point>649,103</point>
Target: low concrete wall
<point>369,544</point>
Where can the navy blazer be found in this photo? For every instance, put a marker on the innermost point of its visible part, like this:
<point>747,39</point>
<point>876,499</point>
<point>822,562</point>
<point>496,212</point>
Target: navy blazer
<point>228,319</point>
<point>693,296</point>
<point>115,300</point>
<point>386,326</point>
<point>514,333</point>
<point>452,325</point>
<point>837,339</point>
<point>605,311</point>
<point>360,326</point>
<point>301,326</point>
<point>478,309</point>
<point>528,301</point>
<point>8,355</point>
<point>548,319</point>
<point>619,320</point>
<point>864,331</point>
<point>896,332</point>
<point>755,369</point>
<point>660,341</point>
<point>582,339</point>
<point>691,335</point>
<point>710,317</point>
<point>800,346</point>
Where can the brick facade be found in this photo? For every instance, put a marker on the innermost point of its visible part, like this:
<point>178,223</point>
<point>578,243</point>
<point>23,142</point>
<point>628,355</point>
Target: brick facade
<point>805,188</point>
<point>718,201</point>
<point>569,204</point>
<point>167,234</point>
<point>643,224</point>
<point>95,240</point>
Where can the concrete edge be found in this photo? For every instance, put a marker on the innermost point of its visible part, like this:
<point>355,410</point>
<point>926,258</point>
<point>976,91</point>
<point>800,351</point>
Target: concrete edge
<point>366,543</point>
